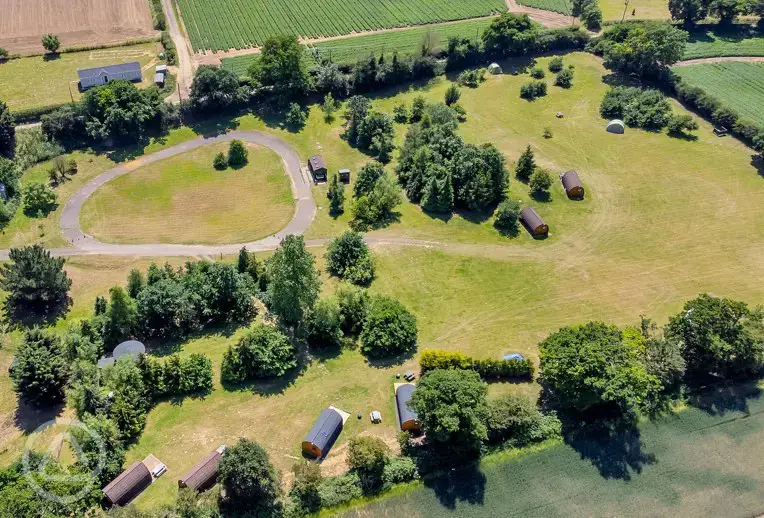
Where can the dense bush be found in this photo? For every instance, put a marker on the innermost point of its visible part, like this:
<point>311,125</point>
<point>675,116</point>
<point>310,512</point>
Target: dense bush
<point>170,50</point>
<point>39,199</point>
<point>354,304</point>
<point>368,456</point>
<point>41,371</point>
<point>452,95</point>
<point>160,22</point>
<point>637,107</point>
<point>249,480</point>
<point>263,352</point>
<point>510,34</point>
<point>32,147</point>
<point>348,257</point>
<point>555,64</point>
<point>176,375</point>
<point>507,215</point>
<point>295,117</point>
<point>564,79</point>
<point>533,89</point>
<point>540,181</point>
<point>488,368</point>
<point>644,48</point>
<point>238,154</point>
<point>678,124</point>
<point>376,208</point>
<point>336,194</point>
<point>324,324</point>
<point>537,73</point>
<point>220,162</point>
<point>388,329</point>
<point>516,419</point>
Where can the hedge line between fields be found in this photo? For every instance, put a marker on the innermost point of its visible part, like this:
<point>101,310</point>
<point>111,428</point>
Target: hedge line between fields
<point>487,368</point>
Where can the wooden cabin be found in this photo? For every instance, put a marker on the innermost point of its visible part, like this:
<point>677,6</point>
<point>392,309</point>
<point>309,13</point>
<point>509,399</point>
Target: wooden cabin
<point>408,421</point>
<point>317,167</point>
<point>325,431</point>
<point>572,184</point>
<point>533,222</point>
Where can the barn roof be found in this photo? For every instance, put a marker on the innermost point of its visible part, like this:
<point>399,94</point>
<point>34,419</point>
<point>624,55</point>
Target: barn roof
<point>570,180</point>
<point>204,473</point>
<point>121,68</point>
<point>128,484</point>
<point>317,162</point>
<point>531,218</point>
<point>402,397</point>
<point>325,430</point>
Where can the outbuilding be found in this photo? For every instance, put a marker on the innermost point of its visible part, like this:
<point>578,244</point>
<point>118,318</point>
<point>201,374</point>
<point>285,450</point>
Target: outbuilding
<point>161,69</point>
<point>572,184</point>
<point>533,222</point>
<point>129,484</point>
<point>159,79</point>
<point>344,175</point>
<point>317,166</point>
<point>407,418</point>
<point>205,473</point>
<point>90,77</point>
<point>325,431</point>
<point>616,126</point>
<point>494,68</point>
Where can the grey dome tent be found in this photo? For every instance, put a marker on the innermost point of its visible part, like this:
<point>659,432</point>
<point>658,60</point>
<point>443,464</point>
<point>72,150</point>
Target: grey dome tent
<point>494,68</point>
<point>325,431</point>
<point>616,126</point>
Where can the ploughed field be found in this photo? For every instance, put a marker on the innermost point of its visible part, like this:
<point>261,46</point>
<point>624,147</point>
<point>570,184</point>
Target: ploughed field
<point>226,24</point>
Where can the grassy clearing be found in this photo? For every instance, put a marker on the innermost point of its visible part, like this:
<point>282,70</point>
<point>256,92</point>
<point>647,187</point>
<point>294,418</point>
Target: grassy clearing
<point>739,40</point>
<point>40,81</point>
<point>183,199</point>
<point>692,464</point>
<point>222,25</point>
<point>613,10</point>
<point>737,85</point>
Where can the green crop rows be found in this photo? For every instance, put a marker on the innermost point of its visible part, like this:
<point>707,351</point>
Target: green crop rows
<point>739,86</point>
<point>558,6</point>
<point>738,40</point>
<point>226,24</point>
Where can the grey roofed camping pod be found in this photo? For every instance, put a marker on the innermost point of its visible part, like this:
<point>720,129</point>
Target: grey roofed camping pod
<point>533,222</point>
<point>616,126</point>
<point>407,418</point>
<point>204,474</point>
<point>129,484</point>
<point>325,431</point>
<point>572,184</point>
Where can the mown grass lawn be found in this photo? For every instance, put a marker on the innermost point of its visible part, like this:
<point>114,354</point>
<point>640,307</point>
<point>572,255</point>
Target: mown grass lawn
<point>38,81</point>
<point>694,463</point>
<point>184,199</point>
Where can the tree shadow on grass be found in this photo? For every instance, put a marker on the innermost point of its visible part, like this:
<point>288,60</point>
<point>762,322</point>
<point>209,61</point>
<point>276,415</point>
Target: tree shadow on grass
<point>612,444</point>
<point>757,161</point>
<point>29,417</point>
<point>390,361</point>
<point>161,348</point>
<point>688,137</point>
<point>727,397</point>
<point>541,196</point>
<point>22,318</point>
<point>458,485</point>
<point>511,232</point>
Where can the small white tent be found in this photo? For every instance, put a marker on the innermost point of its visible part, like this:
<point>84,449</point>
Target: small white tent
<point>616,126</point>
<point>494,68</point>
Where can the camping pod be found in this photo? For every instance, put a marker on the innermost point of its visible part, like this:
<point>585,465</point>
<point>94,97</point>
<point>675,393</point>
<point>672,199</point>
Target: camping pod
<point>572,184</point>
<point>407,418</point>
<point>204,474</point>
<point>325,431</point>
<point>616,126</point>
<point>533,222</point>
<point>129,484</point>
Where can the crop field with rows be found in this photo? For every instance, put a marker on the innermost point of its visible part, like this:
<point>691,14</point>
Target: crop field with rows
<point>737,85</point>
<point>227,24</point>
<point>558,6</point>
<point>737,40</point>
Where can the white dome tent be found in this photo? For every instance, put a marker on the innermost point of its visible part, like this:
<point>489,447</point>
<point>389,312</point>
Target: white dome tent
<point>494,68</point>
<point>616,126</point>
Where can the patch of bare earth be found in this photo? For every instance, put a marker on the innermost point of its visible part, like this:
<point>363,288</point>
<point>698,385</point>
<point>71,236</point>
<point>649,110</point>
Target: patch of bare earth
<point>76,22</point>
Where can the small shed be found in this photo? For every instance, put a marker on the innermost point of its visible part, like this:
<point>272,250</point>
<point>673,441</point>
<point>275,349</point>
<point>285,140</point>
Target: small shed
<point>533,222</point>
<point>494,68</point>
<point>325,431</point>
<point>344,175</point>
<point>572,184</point>
<point>161,69</point>
<point>129,484</point>
<point>317,166</point>
<point>3,192</point>
<point>616,126</point>
<point>407,418</point>
<point>90,77</point>
<point>159,79</point>
<point>204,474</point>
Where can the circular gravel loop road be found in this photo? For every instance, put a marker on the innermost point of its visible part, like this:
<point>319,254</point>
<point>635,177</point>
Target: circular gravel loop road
<point>84,243</point>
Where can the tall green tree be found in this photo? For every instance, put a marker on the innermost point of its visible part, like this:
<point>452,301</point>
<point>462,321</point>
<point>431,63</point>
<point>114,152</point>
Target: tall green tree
<point>438,192</point>
<point>213,88</point>
<point>263,352</point>
<point>510,34</point>
<point>688,11</point>
<point>525,165</point>
<point>7,131</point>
<point>293,282</point>
<point>644,48</point>
<point>51,43</point>
<point>249,480</point>
<point>349,258</point>
<point>336,195</point>
<point>41,371</point>
<point>35,282</point>
<point>121,317</point>
<point>356,110</point>
<point>388,329</point>
<point>368,456</point>
<point>452,405</point>
<point>591,365</point>
<point>100,445</point>
<point>721,337</point>
<point>281,65</point>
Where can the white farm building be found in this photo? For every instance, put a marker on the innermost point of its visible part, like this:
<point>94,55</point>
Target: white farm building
<point>90,77</point>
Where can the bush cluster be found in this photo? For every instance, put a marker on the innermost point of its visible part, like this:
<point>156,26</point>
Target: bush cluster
<point>637,107</point>
<point>348,257</point>
<point>263,352</point>
<point>533,89</point>
<point>176,375</point>
<point>487,368</point>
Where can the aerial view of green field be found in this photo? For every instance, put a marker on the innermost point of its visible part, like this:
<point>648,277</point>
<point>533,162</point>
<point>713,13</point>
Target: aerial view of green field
<point>737,85</point>
<point>215,25</point>
<point>518,275</point>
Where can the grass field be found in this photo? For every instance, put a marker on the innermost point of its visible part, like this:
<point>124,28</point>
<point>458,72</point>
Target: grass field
<point>612,10</point>
<point>222,25</point>
<point>737,85</point>
<point>185,200</point>
<point>38,81</point>
<point>558,6</point>
<point>695,463</point>
<point>739,40</point>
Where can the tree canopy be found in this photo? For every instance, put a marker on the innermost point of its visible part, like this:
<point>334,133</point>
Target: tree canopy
<point>349,258</point>
<point>213,88</point>
<point>249,480</point>
<point>389,328</point>
<point>293,281</point>
<point>510,34</point>
<point>644,48</point>
<point>41,371</point>
<point>263,352</point>
<point>281,65</point>
<point>7,131</point>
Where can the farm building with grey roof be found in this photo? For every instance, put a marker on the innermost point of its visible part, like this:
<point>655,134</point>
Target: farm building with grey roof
<point>90,77</point>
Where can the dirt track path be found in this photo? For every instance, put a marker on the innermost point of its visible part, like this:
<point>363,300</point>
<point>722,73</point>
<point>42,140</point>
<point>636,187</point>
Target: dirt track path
<point>545,18</point>
<point>186,64</point>
<point>700,61</point>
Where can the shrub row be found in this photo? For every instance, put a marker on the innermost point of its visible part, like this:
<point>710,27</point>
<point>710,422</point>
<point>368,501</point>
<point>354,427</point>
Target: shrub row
<point>157,13</point>
<point>487,368</point>
<point>170,51</point>
<point>176,376</point>
<point>33,114</point>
